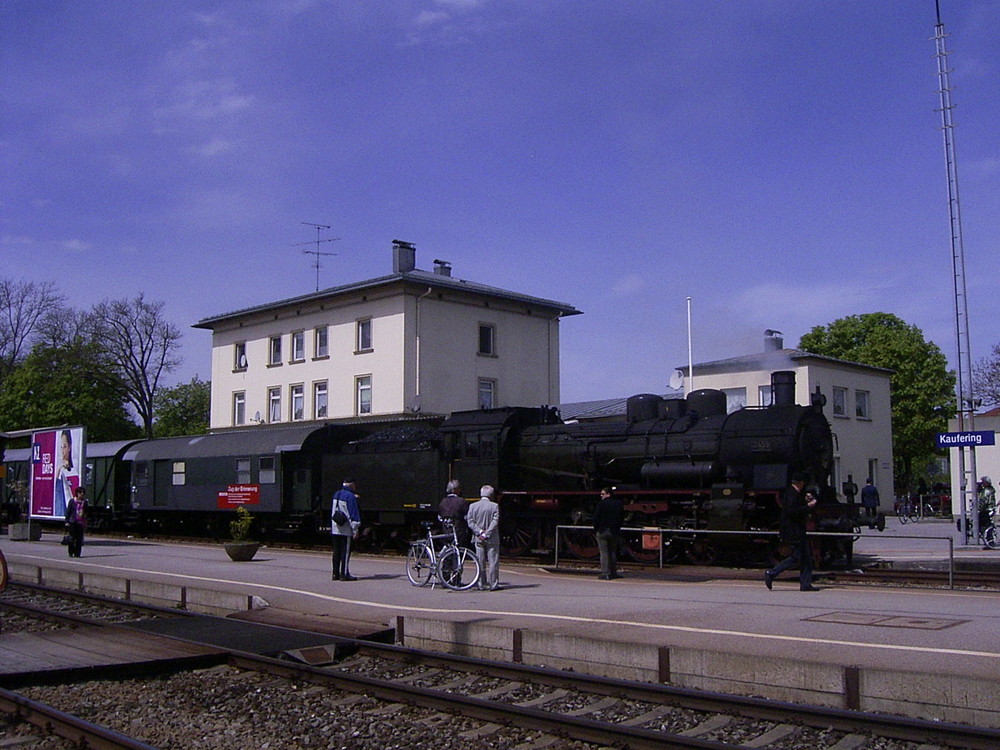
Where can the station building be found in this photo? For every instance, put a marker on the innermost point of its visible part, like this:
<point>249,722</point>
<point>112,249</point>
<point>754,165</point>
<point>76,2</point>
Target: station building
<point>987,458</point>
<point>412,341</point>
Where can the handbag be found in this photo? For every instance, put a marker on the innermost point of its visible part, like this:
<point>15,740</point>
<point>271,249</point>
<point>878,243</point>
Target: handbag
<point>65,540</point>
<point>339,517</point>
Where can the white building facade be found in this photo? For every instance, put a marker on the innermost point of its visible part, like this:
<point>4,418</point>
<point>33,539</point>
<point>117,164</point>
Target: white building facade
<point>413,341</point>
<point>987,460</point>
<point>858,404</point>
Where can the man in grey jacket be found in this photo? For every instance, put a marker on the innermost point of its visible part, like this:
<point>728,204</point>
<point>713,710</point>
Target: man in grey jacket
<point>484,523</point>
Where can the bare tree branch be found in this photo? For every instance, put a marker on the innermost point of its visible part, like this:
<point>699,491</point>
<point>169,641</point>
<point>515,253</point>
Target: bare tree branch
<point>23,307</point>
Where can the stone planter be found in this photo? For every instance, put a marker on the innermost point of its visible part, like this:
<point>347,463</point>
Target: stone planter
<point>25,532</point>
<point>241,551</point>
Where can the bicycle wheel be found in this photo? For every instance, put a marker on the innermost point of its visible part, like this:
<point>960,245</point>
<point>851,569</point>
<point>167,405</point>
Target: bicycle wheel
<point>903,513</point>
<point>419,564</point>
<point>458,568</point>
<point>991,537</point>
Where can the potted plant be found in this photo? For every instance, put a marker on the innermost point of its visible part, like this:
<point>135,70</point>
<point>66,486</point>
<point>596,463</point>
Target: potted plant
<point>242,548</point>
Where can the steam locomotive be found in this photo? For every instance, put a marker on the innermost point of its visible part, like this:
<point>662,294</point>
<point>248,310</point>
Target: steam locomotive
<point>683,467</point>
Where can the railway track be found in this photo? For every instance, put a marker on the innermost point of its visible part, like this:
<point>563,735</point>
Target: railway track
<point>375,693</point>
<point>976,579</point>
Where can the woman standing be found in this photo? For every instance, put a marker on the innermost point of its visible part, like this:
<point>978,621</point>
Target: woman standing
<point>76,521</point>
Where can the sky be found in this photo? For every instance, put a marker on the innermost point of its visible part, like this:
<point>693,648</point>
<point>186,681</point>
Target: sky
<point>778,162</point>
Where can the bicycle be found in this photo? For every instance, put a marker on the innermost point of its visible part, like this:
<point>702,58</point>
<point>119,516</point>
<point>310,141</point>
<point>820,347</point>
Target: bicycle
<point>439,558</point>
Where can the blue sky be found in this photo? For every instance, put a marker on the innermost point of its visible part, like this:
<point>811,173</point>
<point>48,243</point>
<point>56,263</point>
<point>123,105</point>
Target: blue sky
<point>778,161</point>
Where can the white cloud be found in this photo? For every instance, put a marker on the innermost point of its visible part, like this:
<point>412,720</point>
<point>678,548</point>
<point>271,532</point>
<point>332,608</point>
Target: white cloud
<point>214,147</point>
<point>628,285</point>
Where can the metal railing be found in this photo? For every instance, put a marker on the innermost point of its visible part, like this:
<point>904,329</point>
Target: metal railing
<point>711,532</point>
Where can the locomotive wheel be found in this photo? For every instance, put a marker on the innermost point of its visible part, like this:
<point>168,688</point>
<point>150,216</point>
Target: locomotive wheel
<point>516,542</point>
<point>702,551</point>
<point>634,548</point>
<point>582,544</point>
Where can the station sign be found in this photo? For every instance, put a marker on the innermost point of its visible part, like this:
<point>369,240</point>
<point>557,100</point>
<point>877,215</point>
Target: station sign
<point>236,495</point>
<point>966,439</point>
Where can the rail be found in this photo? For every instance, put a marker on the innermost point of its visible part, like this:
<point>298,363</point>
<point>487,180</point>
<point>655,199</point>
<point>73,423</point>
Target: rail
<point>713,532</point>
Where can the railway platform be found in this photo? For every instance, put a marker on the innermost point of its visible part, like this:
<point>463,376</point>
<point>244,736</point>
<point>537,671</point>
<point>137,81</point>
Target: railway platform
<point>914,651</point>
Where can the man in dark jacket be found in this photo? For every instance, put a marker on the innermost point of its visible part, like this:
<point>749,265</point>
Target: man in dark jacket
<point>454,508</point>
<point>794,512</point>
<point>870,498</point>
<point>608,516</point>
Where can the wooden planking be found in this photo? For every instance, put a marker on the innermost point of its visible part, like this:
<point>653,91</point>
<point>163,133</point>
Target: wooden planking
<point>88,646</point>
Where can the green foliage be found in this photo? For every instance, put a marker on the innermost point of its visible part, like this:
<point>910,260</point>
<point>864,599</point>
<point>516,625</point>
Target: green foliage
<point>183,409</point>
<point>921,386</point>
<point>239,528</point>
<point>66,385</point>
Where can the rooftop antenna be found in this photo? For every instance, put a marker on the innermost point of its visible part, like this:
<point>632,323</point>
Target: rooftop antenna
<point>316,242</point>
<point>963,383</point>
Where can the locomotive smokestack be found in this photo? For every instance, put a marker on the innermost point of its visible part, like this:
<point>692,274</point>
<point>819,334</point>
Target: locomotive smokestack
<point>783,388</point>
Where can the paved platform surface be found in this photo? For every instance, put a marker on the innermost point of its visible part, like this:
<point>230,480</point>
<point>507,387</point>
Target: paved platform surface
<point>938,631</point>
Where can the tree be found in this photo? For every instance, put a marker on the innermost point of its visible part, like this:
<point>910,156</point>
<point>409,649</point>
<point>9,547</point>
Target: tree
<point>183,409</point>
<point>921,386</point>
<point>24,305</point>
<point>142,346</point>
<point>986,378</point>
<point>66,385</point>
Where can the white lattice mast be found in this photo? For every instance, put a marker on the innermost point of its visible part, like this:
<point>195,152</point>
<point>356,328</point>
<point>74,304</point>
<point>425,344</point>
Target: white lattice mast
<point>963,385</point>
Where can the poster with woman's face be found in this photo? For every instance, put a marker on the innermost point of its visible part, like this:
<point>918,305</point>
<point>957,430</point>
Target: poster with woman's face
<point>56,470</point>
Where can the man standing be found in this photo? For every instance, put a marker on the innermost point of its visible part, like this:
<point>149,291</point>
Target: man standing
<point>794,512</point>
<point>608,516</point>
<point>869,498</point>
<point>345,520</point>
<point>484,522</point>
<point>453,508</point>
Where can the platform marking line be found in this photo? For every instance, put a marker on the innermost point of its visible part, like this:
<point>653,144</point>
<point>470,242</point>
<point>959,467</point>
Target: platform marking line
<point>567,618</point>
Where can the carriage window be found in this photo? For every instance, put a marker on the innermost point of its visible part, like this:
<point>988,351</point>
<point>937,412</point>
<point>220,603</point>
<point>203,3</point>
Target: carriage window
<point>487,446</point>
<point>141,469</point>
<point>839,402</point>
<point>243,471</point>
<point>471,445</point>
<point>267,472</point>
<point>179,473</point>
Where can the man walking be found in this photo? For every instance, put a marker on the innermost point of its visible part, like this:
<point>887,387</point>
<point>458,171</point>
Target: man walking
<point>484,523</point>
<point>608,516</point>
<point>794,512</point>
<point>869,498</point>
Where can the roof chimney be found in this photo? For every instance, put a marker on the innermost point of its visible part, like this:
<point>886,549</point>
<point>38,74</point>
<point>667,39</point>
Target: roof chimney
<point>404,256</point>
<point>442,267</point>
<point>773,341</point>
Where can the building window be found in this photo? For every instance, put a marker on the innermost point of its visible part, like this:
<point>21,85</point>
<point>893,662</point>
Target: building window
<point>487,393</point>
<point>240,355</point>
<point>765,397</point>
<point>321,342</point>
<point>179,473</point>
<point>736,399</point>
<point>487,339</point>
<point>274,404</point>
<point>243,471</point>
<point>319,400</point>
<point>274,351</point>
<point>297,397</point>
<point>839,402</point>
<point>298,346</point>
<point>268,475</point>
<point>239,408</point>
<point>363,342</point>
<point>861,405</point>
<point>363,394</point>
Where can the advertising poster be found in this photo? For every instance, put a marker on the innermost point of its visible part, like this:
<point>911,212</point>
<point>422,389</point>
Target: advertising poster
<point>56,470</point>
